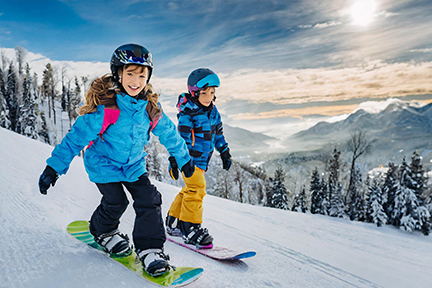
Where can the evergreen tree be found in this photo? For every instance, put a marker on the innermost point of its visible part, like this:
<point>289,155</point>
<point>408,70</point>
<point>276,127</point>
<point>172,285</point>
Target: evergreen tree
<point>73,103</point>
<point>43,130</point>
<point>356,205</point>
<point>222,185</point>
<point>27,118</point>
<point>239,178</point>
<point>337,206</point>
<point>11,98</point>
<point>48,89</point>
<point>300,204</point>
<point>418,184</point>
<point>325,207</point>
<point>375,209</point>
<point>317,195</point>
<point>400,204</point>
<point>408,211</point>
<point>276,191</point>
<point>153,162</point>
<point>333,180</point>
<point>389,193</point>
<point>4,111</point>
<point>64,99</point>
<point>419,180</point>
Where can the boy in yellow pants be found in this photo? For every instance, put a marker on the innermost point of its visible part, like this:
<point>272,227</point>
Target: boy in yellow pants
<point>200,125</point>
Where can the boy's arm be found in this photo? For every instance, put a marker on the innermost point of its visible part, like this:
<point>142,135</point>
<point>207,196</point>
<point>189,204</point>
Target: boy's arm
<point>84,130</point>
<point>185,127</point>
<point>220,144</point>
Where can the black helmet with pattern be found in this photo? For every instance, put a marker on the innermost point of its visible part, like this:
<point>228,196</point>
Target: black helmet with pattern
<point>131,54</point>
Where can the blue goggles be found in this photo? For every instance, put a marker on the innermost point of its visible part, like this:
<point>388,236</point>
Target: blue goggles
<point>208,81</point>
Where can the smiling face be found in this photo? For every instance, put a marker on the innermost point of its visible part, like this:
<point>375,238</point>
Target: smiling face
<point>133,78</point>
<point>206,96</point>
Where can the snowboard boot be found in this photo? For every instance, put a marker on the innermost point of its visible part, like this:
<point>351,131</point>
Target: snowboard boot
<point>114,243</point>
<point>154,261</point>
<point>172,226</point>
<point>196,235</point>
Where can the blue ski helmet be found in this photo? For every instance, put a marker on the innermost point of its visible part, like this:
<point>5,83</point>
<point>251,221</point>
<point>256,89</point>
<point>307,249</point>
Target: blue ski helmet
<point>131,54</point>
<point>202,78</point>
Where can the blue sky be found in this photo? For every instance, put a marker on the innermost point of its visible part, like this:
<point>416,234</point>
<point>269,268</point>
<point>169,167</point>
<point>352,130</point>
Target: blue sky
<point>283,56</point>
<point>230,35</point>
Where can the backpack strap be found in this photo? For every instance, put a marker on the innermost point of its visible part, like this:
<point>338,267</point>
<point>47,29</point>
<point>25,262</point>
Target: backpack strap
<point>111,116</point>
<point>154,116</point>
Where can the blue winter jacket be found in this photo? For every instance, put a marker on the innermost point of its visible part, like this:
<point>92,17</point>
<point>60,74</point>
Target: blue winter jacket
<point>201,128</point>
<point>119,155</point>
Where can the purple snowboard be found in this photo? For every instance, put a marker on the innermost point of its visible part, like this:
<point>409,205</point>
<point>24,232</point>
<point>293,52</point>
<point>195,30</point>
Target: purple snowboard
<point>218,253</point>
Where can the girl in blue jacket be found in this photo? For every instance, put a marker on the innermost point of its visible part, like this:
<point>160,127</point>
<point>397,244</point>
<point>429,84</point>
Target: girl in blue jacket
<point>119,113</point>
<point>199,123</point>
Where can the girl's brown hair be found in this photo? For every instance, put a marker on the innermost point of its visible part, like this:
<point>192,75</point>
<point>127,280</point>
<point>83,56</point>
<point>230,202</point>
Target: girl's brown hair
<point>103,90</point>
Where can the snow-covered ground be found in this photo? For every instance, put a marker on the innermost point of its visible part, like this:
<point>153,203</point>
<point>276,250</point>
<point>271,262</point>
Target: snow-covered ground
<point>293,249</point>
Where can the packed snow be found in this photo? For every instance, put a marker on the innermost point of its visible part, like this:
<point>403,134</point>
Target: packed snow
<point>293,249</point>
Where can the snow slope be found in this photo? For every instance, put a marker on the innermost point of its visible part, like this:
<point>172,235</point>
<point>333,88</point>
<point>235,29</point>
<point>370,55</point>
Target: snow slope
<point>293,249</point>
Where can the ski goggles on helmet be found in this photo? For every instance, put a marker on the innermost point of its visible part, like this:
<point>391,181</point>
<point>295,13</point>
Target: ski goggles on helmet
<point>211,80</point>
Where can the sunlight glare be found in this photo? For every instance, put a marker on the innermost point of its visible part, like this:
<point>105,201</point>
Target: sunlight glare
<point>363,12</point>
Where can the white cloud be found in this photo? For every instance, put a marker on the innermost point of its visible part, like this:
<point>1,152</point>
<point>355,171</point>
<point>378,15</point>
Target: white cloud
<point>387,14</point>
<point>426,50</point>
<point>327,24</point>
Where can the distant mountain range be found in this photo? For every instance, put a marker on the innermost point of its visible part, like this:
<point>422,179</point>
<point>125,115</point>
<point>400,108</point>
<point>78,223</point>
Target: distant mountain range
<point>395,132</point>
<point>242,140</point>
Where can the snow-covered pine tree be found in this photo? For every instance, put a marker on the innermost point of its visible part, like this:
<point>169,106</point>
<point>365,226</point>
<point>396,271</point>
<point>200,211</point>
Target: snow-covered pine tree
<point>222,185</point>
<point>333,179</point>
<point>375,209</point>
<point>317,195</point>
<point>407,209</point>
<point>27,117</point>
<point>153,162</point>
<point>400,201</point>
<point>43,130</point>
<point>276,191</point>
<point>325,207</point>
<point>73,103</point>
<point>418,177</point>
<point>337,206</point>
<point>11,97</point>
<point>4,111</point>
<point>356,202</point>
<point>418,184</point>
<point>239,178</point>
<point>389,193</point>
<point>48,89</point>
<point>300,202</point>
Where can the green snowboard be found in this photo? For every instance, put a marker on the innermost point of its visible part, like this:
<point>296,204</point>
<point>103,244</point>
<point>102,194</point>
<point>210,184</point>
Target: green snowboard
<point>181,276</point>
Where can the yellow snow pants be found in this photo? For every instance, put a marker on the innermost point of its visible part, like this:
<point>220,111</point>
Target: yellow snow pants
<point>187,205</point>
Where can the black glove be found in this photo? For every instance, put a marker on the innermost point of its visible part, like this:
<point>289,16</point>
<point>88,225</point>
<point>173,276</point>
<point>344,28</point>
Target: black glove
<point>49,177</point>
<point>226,159</point>
<point>188,169</point>
<point>173,168</point>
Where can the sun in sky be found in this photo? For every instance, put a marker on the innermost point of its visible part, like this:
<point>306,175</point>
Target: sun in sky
<point>363,12</point>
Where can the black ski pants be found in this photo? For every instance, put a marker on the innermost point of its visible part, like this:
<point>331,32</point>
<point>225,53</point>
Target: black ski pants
<point>149,231</point>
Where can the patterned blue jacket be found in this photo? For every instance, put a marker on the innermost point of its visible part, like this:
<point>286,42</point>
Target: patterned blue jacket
<point>201,128</point>
<point>119,155</point>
